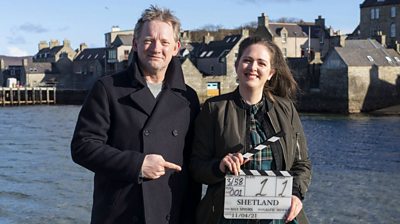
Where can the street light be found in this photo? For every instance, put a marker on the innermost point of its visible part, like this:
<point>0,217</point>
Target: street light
<point>295,44</point>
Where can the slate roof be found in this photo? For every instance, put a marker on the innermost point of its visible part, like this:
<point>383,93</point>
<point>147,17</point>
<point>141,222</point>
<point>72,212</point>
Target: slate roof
<point>215,49</point>
<point>123,39</point>
<point>294,30</point>
<point>92,54</point>
<point>315,29</point>
<point>372,3</point>
<point>366,53</point>
<point>51,51</point>
<point>38,68</point>
<point>9,61</point>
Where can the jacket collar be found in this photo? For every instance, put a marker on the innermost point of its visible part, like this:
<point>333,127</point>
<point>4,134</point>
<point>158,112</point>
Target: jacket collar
<point>239,102</point>
<point>173,78</point>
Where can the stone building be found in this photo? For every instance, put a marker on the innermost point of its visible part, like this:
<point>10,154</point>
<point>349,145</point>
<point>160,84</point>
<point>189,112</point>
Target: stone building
<point>37,74</point>
<point>359,76</point>
<point>118,53</point>
<point>115,31</point>
<point>11,67</point>
<point>88,66</point>
<point>53,51</point>
<point>210,65</point>
<point>31,74</point>
<point>380,19</point>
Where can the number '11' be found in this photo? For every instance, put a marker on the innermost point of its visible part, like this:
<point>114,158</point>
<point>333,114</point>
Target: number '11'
<point>263,185</point>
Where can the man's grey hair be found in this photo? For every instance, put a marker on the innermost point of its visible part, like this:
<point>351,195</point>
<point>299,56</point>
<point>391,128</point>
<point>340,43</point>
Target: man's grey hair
<point>160,14</point>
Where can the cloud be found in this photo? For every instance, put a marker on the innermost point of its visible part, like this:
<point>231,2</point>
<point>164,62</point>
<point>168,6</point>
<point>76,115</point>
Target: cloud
<point>32,28</point>
<point>16,40</point>
<point>17,52</point>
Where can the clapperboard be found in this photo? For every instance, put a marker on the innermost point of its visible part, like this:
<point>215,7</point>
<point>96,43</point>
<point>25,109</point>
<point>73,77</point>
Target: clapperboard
<point>258,194</point>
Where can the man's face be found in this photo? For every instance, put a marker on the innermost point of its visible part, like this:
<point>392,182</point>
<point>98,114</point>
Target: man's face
<point>155,47</point>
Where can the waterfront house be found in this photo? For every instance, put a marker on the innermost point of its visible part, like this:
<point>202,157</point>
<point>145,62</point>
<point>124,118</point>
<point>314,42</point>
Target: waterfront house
<point>359,76</point>
<point>53,51</point>
<point>215,61</point>
<point>380,20</point>
<point>88,65</point>
<point>11,67</point>
<point>118,53</point>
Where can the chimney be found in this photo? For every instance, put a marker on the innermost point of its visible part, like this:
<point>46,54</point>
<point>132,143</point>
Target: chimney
<point>342,40</point>
<point>185,35</point>
<point>24,62</point>
<point>115,29</point>
<point>263,20</point>
<point>66,43</point>
<point>2,65</point>
<point>245,33</point>
<point>42,44</point>
<point>82,47</point>
<point>320,22</point>
<point>397,46</point>
<point>53,43</point>
<point>381,38</point>
<point>207,39</point>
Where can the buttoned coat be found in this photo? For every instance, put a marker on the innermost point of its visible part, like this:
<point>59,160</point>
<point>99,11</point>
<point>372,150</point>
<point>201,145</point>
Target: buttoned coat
<point>121,122</point>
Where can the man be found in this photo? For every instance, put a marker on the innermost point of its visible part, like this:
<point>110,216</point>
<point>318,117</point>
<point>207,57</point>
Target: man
<point>134,132</point>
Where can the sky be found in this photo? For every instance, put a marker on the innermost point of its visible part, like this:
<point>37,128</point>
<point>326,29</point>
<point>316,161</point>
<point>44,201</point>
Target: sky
<point>24,24</point>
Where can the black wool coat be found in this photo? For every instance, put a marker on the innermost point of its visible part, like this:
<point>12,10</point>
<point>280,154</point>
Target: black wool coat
<point>121,122</point>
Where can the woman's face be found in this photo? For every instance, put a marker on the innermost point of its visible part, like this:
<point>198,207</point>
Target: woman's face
<point>254,67</point>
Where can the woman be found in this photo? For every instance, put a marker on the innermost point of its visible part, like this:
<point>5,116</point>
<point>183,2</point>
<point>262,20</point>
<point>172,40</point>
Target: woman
<point>231,124</point>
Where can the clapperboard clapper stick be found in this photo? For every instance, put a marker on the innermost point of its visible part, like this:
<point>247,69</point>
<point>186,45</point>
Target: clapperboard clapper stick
<point>263,145</point>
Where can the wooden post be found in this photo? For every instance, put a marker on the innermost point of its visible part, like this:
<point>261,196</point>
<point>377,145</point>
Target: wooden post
<point>54,95</point>
<point>11,96</point>
<point>33,95</point>
<point>48,95</point>
<point>40,95</point>
<point>3,96</point>
<point>19,95</point>
<point>26,96</point>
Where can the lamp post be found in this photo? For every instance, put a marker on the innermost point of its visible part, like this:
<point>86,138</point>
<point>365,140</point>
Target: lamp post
<point>295,44</point>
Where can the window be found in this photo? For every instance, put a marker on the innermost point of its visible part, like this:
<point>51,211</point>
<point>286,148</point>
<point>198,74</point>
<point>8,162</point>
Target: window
<point>112,54</point>
<point>397,59</point>
<point>370,58</point>
<point>392,30</point>
<point>203,53</point>
<point>393,11</point>
<point>389,60</point>
<point>126,52</point>
<point>213,89</point>
<point>284,37</point>
<point>375,13</point>
<point>209,53</point>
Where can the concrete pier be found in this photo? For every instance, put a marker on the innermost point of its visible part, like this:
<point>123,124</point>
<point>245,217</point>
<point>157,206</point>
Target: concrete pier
<point>16,96</point>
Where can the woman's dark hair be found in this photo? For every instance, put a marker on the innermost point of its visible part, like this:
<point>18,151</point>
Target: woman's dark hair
<point>282,82</point>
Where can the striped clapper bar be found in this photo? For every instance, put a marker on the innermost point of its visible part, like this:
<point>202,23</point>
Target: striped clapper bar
<point>263,145</point>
